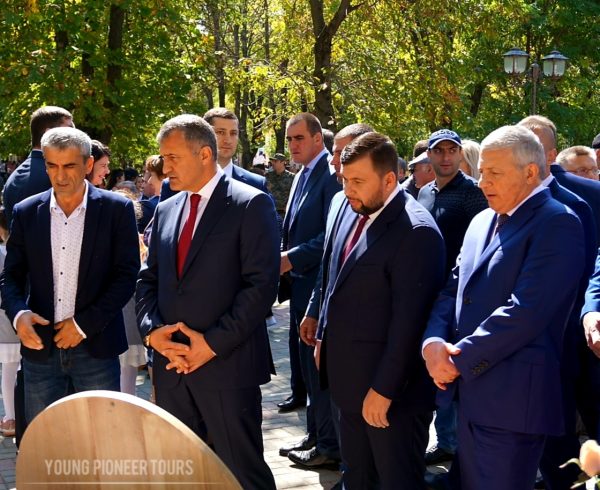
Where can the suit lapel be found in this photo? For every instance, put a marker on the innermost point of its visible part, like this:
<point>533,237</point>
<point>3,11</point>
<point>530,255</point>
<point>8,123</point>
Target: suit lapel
<point>215,209</point>
<point>313,178</point>
<point>93,216</point>
<point>512,227</point>
<point>372,234</point>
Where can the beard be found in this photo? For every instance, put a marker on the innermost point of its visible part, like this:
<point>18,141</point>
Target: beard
<point>368,208</point>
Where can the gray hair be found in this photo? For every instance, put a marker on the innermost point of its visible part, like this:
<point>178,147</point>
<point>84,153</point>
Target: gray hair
<point>524,144</point>
<point>194,130</point>
<point>471,156</point>
<point>64,137</point>
<point>575,151</point>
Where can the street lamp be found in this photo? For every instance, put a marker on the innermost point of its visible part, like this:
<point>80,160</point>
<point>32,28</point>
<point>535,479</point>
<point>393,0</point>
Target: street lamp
<point>553,66</point>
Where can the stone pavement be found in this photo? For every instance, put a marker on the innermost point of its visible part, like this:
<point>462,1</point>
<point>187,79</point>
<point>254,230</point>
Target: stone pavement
<point>278,429</point>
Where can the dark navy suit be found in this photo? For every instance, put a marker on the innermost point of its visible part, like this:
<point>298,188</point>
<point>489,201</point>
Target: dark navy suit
<point>373,315</point>
<point>28,179</point>
<point>579,364</point>
<point>587,189</point>
<point>506,306</point>
<point>303,238</point>
<point>229,282</point>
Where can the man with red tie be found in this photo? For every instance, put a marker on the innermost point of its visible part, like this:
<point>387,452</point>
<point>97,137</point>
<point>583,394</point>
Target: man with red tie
<point>202,296</point>
<point>383,265</point>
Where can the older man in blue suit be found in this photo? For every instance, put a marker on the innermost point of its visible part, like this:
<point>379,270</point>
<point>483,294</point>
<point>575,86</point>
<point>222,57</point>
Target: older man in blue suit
<point>71,265</point>
<point>210,278</point>
<point>495,334</point>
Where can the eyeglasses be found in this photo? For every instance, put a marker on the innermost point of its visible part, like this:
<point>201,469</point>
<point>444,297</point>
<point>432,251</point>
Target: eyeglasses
<point>582,172</point>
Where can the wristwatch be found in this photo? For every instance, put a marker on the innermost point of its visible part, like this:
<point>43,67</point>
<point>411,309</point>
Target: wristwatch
<point>146,339</point>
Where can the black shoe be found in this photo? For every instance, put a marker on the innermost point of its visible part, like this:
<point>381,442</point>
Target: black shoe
<point>291,403</point>
<point>312,458</point>
<point>307,442</point>
<point>437,481</point>
<point>437,455</point>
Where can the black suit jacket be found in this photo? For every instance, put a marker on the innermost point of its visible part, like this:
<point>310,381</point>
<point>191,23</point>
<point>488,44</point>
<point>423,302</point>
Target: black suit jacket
<point>375,307</point>
<point>229,283</point>
<point>108,268</point>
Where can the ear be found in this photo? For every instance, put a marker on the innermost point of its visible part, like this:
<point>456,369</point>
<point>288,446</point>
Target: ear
<point>206,156</point>
<point>89,165</point>
<point>551,156</point>
<point>533,172</point>
<point>390,179</point>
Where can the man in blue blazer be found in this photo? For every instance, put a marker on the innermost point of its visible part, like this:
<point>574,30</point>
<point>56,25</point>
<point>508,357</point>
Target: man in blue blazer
<point>495,335</point>
<point>226,126</point>
<point>301,252</point>
<point>30,177</point>
<point>76,248</point>
<point>379,281</point>
<point>210,278</point>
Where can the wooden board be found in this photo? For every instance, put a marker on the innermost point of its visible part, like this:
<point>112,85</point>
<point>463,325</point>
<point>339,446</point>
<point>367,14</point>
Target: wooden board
<point>106,439</point>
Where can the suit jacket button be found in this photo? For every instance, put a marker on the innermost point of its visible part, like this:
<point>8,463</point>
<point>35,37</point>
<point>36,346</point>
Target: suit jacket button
<point>180,291</point>
<point>466,301</point>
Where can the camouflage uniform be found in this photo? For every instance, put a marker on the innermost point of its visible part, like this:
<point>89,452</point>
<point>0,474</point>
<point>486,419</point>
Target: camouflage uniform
<point>279,186</point>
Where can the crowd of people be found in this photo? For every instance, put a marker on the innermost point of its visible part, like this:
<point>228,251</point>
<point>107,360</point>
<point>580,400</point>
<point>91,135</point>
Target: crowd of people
<point>465,281</point>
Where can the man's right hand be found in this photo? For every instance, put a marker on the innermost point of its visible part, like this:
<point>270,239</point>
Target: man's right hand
<point>308,330</point>
<point>26,332</point>
<point>437,357</point>
<point>591,325</point>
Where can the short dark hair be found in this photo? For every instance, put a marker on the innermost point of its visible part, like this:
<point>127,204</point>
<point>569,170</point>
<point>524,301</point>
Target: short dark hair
<point>100,150</point>
<point>220,112</point>
<point>353,131</point>
<point>328,139</point>
<point>421,146</point>
<point>312,123</point>
<point>46,118</point>
<point>131,174</point>
<point>378,146</point>
<point>194,129</point>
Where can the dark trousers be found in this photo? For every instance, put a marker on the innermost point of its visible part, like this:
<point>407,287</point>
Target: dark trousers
<point>390,458</point>
<point>496,459</point>
<point>233,420</point>
<point>296,380</point>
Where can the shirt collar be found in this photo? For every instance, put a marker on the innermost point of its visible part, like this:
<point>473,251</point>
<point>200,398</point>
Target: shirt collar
<point>82,205</point>
<point>373,216</point>
<point>535,191</point>
<point>208,188</point>
<point>228,169</point>
<point>455,181</point>
<point>314,161</point>
<point>548,180</point>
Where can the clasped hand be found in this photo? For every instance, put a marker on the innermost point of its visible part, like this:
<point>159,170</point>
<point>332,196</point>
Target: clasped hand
<point>183,358</point>
<point>438,359</point>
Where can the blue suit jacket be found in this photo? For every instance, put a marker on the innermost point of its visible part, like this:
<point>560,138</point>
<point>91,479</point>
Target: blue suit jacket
<point>108,268</point>
<point>229,283</point>
<point>375,307</point>
<point>587,189</point>
<point>304,235</point>
<point>237,173</point>
<point>28,179</point>
<point>592,295</point>
<point>506,306</point>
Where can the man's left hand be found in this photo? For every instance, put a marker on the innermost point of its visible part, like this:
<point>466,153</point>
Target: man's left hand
<point>67,336</point>
<point>200,352</point>
<point>375,408</point>
<point>591,325</point>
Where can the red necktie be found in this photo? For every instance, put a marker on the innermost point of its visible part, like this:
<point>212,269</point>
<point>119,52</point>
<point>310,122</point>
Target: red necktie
<point>185,240</point>
<point>361,224</point>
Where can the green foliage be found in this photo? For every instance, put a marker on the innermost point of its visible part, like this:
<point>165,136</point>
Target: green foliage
<point>405,66</point>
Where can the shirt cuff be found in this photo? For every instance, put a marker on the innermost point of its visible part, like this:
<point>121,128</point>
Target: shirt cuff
<point>79,329</point>
<point>430,340</point>
<point>17,316</point>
